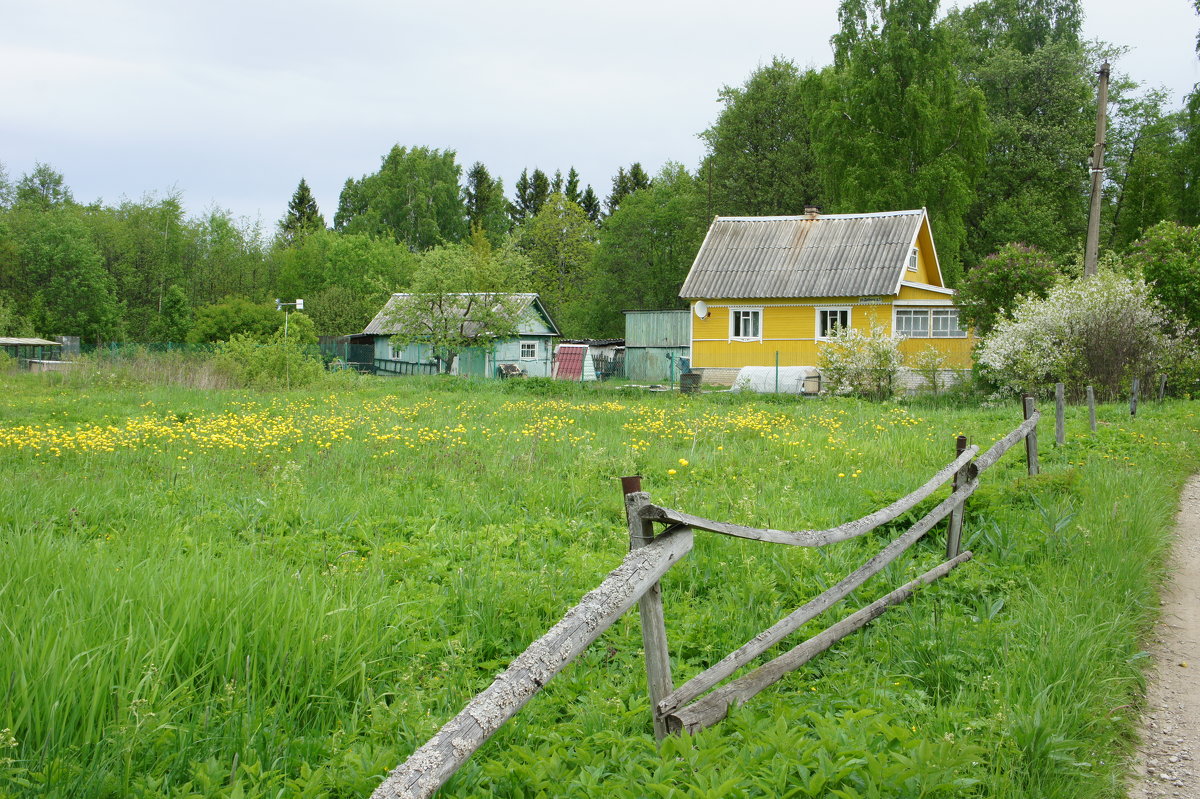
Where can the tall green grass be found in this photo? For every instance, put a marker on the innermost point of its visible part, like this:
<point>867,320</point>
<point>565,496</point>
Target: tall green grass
<point>184,622</point>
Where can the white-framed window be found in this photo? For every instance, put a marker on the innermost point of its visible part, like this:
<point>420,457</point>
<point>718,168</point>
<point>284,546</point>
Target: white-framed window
<point>397,353</point>
<point>745,324</point>
<point>528,350</point>
<point>912,260</point>
<point>928,323</point>
<point>912,322</point>
<point>830,319</point>
<point>945,323</point>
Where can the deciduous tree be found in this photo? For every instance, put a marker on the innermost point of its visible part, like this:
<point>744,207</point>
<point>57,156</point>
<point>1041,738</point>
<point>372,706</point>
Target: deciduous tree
<point>899,129</point>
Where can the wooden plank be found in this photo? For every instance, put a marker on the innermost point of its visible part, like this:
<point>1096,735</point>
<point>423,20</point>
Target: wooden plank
<point>811,609</point>
<point>1133,398</point>
<point>715,706</point>
<point>954,529</point>
<point>432,764</point>
<point>650,610</point>
<point>1060,427</point>
<point>815,538</point>
<point>1002,446</point>
<point>1162,387</point>
<point>1031,448</point>
<point>1091,400</point>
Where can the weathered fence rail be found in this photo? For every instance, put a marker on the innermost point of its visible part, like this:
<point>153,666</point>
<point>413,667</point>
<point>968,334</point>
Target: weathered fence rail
<point>699,703</point>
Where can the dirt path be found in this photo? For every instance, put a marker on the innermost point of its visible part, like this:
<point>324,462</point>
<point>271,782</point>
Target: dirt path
<point>1169,757</point>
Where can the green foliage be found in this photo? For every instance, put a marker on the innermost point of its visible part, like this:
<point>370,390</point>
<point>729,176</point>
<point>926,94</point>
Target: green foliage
<point>884,139</point>
<point>235,316</point>
<point>462,295</point>
<point>486,207</point>
<point>63,268</point>
<point>532,191</point>
<point>761,150</point>
<point>644,252</point>
<point>413,198</point>
<point>1169,256</point>
<point>286,359</point>
<point>175,321</point>
<point>269,622</point>
<point>303,216</point>
<point>1146,151</point>
<point>625,183</point>
<point>42,189</point>
<point>866,364</point>
<point>344,278</point>
<point>989,292</point>
<point>559,241</point>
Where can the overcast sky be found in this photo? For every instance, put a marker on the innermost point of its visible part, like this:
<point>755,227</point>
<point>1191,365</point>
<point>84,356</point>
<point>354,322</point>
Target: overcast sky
<point>232,102</point>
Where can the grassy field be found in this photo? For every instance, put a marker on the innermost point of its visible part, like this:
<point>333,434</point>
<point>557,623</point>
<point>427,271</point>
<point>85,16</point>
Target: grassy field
<point>219,593</point>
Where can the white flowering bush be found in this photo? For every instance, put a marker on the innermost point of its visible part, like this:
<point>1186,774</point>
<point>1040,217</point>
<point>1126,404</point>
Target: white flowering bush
<point>1103,331</point>
<point>861,363</point>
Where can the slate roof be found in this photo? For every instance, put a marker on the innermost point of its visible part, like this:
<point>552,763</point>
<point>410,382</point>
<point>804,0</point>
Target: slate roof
<point>379,325</point>
<point>824,255</point>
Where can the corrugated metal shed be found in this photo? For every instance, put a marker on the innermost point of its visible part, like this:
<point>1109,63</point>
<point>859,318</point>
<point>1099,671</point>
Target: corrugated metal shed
<point>830,255</point>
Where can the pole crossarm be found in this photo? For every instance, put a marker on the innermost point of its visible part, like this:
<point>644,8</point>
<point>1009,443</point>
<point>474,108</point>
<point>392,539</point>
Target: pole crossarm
<point>815,538</point>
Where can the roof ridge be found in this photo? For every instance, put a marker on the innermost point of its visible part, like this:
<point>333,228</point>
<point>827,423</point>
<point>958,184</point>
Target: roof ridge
<point>806,217</point>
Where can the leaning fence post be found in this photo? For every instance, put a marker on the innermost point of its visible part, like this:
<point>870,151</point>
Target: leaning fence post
<point>954,531</point>
<point>1133,398</point>
<point>1060,424</point>
<point>1031,453</point>
<point>650,608</point>
<point>1091,395</point>
<point>1162,387</point>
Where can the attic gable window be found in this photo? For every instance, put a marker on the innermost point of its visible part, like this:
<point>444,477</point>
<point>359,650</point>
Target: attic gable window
<point>912,260</point>
<point>745,324</point>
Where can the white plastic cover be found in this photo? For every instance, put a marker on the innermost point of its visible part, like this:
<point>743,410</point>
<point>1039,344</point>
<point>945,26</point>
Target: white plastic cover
<point>763,379</point>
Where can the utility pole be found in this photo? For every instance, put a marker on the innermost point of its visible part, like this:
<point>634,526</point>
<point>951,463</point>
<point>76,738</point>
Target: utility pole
<point>1091,252</point>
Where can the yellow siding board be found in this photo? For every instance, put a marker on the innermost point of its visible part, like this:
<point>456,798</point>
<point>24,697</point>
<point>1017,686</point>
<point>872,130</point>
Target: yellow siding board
<point>913,293</point>
<point>789,329</point>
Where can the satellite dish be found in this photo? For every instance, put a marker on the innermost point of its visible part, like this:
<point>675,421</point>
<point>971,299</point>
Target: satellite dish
<point>701,308</point>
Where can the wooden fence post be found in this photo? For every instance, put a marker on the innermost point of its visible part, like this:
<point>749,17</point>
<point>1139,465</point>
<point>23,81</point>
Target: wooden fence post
<point>1031,448</point>
<point>650,608</point>
<point>1091,396</point>
<point>1060,423</point>
<point>954,531</point>
<point>1133,398</point>
<point>1162,387</point>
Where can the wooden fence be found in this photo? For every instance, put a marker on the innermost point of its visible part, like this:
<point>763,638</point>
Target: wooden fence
<point>699,703</point>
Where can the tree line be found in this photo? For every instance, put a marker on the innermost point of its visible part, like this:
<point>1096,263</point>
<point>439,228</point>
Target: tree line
<point>984,116</point>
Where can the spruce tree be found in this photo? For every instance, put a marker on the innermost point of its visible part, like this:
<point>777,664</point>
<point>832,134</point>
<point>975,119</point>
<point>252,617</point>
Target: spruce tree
<point>590,204</point>
<point>486,207</point>
<point>572,188</point>
<point>302,216</point>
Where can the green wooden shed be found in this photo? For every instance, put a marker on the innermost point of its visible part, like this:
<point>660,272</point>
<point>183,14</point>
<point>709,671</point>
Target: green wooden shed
<point>655,341</point>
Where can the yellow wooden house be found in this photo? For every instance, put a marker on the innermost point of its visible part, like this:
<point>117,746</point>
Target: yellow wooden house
<point>767,290</point>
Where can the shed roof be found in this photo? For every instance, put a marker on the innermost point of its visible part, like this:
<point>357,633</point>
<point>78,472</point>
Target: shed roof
<point>381,325</point>
<point>28,342</point>
<point>818,255</point>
